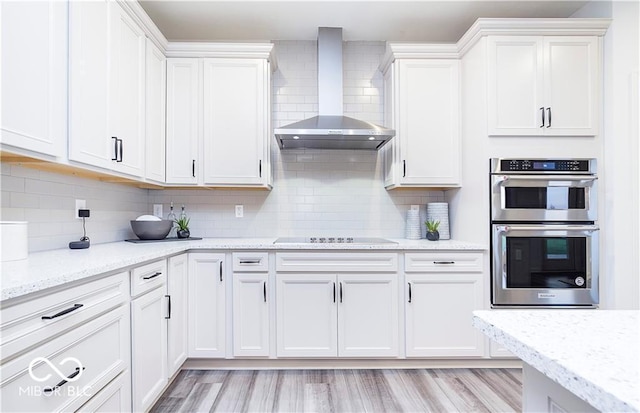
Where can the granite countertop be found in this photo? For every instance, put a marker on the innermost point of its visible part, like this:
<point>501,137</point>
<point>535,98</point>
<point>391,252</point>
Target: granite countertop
<point>591,353</point>
<point>42,270</point>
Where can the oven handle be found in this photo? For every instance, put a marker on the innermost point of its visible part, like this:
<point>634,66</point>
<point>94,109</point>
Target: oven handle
<point>552,227</point>
<point>503,178</point>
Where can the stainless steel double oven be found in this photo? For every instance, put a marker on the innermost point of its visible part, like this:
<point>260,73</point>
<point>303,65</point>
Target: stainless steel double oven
<point>544,233</point>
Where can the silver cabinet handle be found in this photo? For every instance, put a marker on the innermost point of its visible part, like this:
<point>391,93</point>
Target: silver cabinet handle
<point>168,316</point>
<point>549,116</point>
<point>542,113</point>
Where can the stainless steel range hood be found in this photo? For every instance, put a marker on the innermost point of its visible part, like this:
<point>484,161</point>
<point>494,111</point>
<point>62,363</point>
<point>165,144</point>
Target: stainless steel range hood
<point>331,129</point>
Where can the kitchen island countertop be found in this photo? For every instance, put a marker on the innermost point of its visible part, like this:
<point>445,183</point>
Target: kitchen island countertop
<point>48,269</point>
<point>594,354</point>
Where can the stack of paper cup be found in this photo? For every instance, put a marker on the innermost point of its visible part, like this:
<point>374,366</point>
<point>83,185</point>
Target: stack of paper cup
<point>439,211</point>
<point>413,224</point>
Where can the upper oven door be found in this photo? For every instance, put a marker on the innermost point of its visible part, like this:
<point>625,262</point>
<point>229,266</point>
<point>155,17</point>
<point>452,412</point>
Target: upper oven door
<point>541,198</point>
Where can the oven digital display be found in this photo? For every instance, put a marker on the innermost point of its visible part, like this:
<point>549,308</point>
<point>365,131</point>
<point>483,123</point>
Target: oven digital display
<point>544,166</point>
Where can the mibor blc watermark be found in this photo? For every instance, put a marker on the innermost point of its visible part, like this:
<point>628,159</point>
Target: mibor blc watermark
<point>64,387</point>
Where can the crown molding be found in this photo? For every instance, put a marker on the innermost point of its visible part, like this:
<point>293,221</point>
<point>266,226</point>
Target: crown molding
<point>135,10</point>
<point>228,50</point>
<point>531,27</point>
<point>487,27</point>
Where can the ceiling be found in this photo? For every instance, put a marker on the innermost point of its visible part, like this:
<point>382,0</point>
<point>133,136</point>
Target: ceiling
<point>393,20</point>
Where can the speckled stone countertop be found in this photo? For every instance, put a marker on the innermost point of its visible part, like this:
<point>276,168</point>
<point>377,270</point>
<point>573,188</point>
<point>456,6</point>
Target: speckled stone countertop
<point>591,353</point>
<point>53,268</point>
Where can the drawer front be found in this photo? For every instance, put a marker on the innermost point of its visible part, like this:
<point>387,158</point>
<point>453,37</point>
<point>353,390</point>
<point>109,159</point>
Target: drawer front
<point>88,357</point>
<point>336,262</point>
<point>148,277</point>
<point>443,262</point>
<point>250,262</point>
<point>116,397</point>
<point>30,323</point>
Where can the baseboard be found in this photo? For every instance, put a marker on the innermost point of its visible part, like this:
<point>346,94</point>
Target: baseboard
<point>279,364</point>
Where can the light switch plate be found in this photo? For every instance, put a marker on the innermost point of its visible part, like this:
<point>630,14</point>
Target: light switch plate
<point>239,211</point>
<point>157,210</point>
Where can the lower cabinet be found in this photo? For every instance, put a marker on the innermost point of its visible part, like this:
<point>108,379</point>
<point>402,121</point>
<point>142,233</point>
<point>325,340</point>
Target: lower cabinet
<point>207,315</point>
<point>148,344</point>
<point>442,291</point>
<point>159,327</point>
<point>81,331</point>
<point>344,315</point>
<point>177,321</point>
<point>115,397</point>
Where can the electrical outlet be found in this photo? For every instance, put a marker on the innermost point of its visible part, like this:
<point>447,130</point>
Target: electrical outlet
<point>157,210</point>
<point>239,211</point>
<point>415,207</point>
<point>80,204</point>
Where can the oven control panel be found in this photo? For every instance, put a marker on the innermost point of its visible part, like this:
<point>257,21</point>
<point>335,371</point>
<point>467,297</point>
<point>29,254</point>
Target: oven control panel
<point>544,165</point>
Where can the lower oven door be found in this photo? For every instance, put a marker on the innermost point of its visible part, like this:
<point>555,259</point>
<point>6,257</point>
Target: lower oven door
<point>544,265</point>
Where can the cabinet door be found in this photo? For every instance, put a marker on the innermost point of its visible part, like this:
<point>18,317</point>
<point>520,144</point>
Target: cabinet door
<point>428,122</point>
<point>206,305</point>
<point>250,315</point>
<point>389,152</point>
<point>306,315</point>
<point>148,348</point>
<point>127,91</point>
<point>438,311</point>
<point>368,315</point>
<point>155,101</point>
<point>177,292</point>
<point>515,85</point>
<point>89,83</point>
<point>235,121</point>
<point>34,76</point>
<point>572,79</point>
<point>183,112</point>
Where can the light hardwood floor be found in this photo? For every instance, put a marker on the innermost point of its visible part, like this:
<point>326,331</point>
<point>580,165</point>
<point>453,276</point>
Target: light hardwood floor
<point>424,390</point>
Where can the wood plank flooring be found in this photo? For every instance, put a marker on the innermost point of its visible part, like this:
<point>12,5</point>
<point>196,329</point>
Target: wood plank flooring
<point>423,390</point>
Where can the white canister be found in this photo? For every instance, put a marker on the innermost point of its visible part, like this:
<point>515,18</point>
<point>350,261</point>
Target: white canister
<point>13,240</point>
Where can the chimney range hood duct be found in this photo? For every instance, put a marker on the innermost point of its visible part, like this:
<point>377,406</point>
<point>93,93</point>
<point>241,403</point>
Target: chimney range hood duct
<point>331,129</point>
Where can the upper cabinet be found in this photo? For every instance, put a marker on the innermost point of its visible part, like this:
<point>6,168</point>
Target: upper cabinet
<point>34,77</point>
<point>107,88</point>
<point>218,121</point>
<point>236,122</point>
<point>544,85</point>
<point>155,99</point>
<point>422,103</point>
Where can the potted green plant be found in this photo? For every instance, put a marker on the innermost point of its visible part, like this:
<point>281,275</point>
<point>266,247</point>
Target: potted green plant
<point>432,230</point>
<point>183,227</point>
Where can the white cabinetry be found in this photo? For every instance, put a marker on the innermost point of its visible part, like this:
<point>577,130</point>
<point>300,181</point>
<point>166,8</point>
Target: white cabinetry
<point>107,89</point>
<point>64,329</point>
<point>236,122</point>
<point>251,304</point>
<point>442,291</point>
<point>177,321</point>
<point>155,99</point>
<point>183,121</point>
<point>207,303</point>
<point>422,103</point>
<point>34,76</point>
<point>544,85</point>
<point>218,121</point>
<point>323,313</point>
<point>148,333</point>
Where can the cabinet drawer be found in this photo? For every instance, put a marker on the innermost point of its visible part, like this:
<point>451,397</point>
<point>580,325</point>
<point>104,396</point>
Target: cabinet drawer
<point>148,277</point>
<point>97,351</point>
<point>24,327</point>
<point>250,262</point>
<point>443,262</point>
<point>336,262</point>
